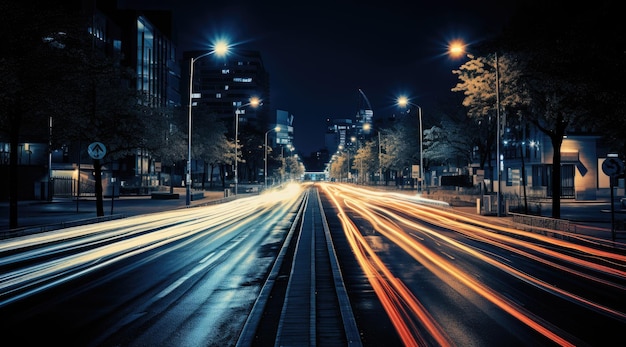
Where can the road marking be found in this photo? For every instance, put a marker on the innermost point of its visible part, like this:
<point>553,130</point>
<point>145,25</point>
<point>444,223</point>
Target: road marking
<point>204,263</point>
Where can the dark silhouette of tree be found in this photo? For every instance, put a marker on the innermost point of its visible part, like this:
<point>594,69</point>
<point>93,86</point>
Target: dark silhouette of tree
<point>566,84</point>
<point>210,143</point>
<point>35,35</point>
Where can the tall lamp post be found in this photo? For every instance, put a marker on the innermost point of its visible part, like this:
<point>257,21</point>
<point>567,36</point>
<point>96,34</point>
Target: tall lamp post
<point>220,48</point>
<point>403,101</point>
<point>457,49</point>
<point>352,141</point>
<point>277,129</point>
<point>340,153</point>
<point>254,102</point>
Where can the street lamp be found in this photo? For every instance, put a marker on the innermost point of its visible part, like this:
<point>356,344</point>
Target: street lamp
<point>403,101</point>
<point>457,49</point>
<point>220,48</point>
<point>277,129</point>
<point>352,141</point>
<point>254,102</point>
<point>340,153</point>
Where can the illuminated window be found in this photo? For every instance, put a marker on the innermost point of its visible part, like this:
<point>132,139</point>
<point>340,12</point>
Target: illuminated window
<point>225,71</point>
<point>218,95</point>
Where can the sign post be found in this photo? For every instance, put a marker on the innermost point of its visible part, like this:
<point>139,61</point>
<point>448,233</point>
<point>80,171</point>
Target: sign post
<point>612,166</point>
<point>97,150</point>
<point>415,175</point>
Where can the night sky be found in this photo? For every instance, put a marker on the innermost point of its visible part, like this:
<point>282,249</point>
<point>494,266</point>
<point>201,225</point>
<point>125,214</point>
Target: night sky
<point>319,53</point>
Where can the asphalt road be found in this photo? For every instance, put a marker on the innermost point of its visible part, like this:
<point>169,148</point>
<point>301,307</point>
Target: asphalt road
<point>33,216</point>
<point>594,218</point>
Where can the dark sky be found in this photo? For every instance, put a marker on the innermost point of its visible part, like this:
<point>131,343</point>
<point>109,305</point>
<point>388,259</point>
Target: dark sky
<point>320,53</point>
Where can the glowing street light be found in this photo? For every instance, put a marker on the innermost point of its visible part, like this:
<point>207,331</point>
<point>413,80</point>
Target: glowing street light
<point>220,48</point>
<point>277,129</point>
<point>457,49</point>
<point>254,102</point>
<point>403,101</point>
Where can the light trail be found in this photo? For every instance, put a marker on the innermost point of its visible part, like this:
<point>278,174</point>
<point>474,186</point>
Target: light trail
<point>392,293</point>
<point>51,259</point>
<point>377,208</point>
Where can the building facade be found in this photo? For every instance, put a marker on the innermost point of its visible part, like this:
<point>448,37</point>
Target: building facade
<point>224,87</point>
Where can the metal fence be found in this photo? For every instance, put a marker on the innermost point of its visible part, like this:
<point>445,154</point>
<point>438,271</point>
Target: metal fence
<point>66,187</point>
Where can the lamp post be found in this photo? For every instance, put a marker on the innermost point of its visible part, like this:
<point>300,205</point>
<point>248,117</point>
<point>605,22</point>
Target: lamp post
<point>352,141</point>
<point>403,101</point>
<point>254,102</point>
<point>457,49</point>
<point>498,135</point>
<point>220,48</point>
<point>380,160</point>
<point>340,154</point>
<point>265,154</point>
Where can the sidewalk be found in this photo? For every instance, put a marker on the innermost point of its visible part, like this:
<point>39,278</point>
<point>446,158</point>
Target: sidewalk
<point>590,218</point>
<point>37,216</point>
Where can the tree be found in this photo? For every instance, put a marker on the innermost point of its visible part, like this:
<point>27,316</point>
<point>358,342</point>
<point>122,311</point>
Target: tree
<point>210,143</point>
<point>450,143</point>
<point>482,96</point>
<point>168,141</point>
<point>99,103</point>
<point>34,35</point>
<point>252,142</point>
<point>563,96</point>
<point>294,168</point>
<point>366,159</point>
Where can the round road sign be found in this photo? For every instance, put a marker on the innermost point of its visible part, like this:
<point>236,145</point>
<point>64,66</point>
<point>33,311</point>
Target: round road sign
<point>612,166</point>
<point>97,150</point>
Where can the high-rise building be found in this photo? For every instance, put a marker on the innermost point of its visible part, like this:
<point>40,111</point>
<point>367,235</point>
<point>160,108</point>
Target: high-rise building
<point>225,83</point>
<point>338,133</point>
<point>284,120</point>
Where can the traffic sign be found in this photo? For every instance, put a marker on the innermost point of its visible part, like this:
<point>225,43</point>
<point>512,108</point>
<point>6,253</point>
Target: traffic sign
<point>612,166</point>
<point>97,150</point>
<point>415,171</point>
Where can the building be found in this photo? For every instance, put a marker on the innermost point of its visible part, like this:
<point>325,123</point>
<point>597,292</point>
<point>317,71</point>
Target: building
<point>224,86</point>
<point>581,174</point>
<point>142,42</point>
<point>225,83</point>
<point>284,137</point>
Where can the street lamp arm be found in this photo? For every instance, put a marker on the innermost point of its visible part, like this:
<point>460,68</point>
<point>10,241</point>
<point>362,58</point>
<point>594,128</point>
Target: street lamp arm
<point>193,60</point>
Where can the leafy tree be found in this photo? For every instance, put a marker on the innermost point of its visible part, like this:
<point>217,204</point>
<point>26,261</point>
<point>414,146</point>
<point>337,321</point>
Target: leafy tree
<point>34,34</point>
<point>338,166</point>
<point>294,168</point>
<point>561,52</point>
<point>168,142</point>
<point>210,143</point>
<point>95,100</point>
<point>482,96</point>
<point>252,150</point>
<point>366,159</point>
<point>448,144</point>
